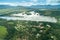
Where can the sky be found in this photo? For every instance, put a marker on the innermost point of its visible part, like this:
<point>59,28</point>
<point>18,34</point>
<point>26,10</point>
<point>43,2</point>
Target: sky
<point>29,2</point>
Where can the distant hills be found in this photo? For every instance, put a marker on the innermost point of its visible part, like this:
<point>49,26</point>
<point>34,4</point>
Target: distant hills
<point>46,6</point>
<point>33,6</point>
<point>5,6</point>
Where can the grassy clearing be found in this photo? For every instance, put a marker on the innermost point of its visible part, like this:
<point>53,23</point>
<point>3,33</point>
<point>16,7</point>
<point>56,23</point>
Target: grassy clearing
<point>3,32</point>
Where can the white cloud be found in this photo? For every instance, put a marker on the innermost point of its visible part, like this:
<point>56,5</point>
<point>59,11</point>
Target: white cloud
<point>34,0</point>
<point>48,2</point>
<point>11,4</point>
<point>18,4</point>
<point>52,2</point>
<point>24,3</point>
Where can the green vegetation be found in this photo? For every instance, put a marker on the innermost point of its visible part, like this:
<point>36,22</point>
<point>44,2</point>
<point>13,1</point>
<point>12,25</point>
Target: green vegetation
<point>3,32</point>
<point>29,30</point>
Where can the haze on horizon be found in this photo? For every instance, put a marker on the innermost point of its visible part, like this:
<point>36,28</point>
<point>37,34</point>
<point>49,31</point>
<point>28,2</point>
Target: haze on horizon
<point>29,2</point>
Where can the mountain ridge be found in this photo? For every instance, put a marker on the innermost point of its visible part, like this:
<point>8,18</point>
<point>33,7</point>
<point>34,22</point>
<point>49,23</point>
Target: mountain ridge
<point>33,6</point>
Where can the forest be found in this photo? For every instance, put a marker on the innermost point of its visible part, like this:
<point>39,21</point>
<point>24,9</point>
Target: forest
<point>29,30</point>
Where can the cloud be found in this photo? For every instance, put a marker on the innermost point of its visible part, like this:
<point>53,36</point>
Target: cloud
<point>52,2</point>
<point>23,3</point>
<point>30,3</point>
<point>34,0</point>
<point>19,4</point>
<point>48,2</point>
<point>11,4</point>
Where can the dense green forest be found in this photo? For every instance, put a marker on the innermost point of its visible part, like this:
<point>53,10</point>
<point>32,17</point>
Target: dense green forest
<point>28,30</point>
